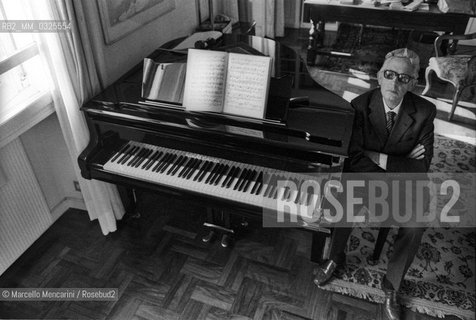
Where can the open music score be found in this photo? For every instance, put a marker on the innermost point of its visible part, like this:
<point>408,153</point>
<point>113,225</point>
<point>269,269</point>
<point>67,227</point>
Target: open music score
<point>230,83</point>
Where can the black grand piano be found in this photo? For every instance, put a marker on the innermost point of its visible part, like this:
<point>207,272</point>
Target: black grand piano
<point>218,160</point>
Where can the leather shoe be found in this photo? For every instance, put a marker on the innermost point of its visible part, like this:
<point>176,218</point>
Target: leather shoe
<point>392,309</point>
<point>324,273</point>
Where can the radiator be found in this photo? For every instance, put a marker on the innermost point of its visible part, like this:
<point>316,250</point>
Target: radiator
<point>24,214</point>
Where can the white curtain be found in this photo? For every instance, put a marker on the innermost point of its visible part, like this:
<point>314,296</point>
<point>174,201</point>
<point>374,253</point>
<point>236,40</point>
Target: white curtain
<point>268,15</point>
<point>75,78</point>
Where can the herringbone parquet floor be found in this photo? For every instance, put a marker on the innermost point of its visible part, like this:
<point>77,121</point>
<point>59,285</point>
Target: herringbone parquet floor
<point>164,271</point>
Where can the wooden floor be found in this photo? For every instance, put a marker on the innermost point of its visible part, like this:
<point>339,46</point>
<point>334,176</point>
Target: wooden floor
<point>164,271</point>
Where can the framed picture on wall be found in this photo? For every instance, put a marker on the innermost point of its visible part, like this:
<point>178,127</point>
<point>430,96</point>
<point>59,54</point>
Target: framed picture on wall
<point>121,17</point>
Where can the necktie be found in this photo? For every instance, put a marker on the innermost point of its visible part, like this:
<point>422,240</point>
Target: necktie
<point>390,121</point>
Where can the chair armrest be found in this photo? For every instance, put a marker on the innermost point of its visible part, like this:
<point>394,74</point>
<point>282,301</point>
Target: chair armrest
<point>471,76</point>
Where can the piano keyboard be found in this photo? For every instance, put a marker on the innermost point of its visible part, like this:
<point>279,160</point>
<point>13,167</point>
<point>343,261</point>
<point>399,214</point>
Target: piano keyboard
<point>221,178</point>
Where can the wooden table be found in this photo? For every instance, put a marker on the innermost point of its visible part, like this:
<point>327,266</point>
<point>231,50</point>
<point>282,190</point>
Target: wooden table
<point>432,19</point>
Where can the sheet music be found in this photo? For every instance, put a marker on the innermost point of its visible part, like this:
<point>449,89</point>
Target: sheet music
<point>247,85</point>
<point>204,80</point>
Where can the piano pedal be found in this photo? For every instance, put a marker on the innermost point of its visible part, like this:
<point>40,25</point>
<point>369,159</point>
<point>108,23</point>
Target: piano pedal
<point>217,227</point>
<point>209,237</point>
<point>225,241</point>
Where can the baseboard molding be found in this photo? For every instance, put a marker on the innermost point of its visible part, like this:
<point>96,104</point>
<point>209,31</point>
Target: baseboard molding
<point>65,204</point>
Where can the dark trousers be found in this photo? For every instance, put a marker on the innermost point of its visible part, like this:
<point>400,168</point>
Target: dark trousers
<point>404,250</point>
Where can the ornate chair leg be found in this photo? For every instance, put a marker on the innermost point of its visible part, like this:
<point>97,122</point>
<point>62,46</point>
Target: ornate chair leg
<point>427,80</point>
<point>456,97</point>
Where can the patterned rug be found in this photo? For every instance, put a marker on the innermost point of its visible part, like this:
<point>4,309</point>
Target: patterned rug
<point>441,280</point>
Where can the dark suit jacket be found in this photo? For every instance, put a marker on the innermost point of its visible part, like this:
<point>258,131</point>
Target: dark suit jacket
<point>414,125</point>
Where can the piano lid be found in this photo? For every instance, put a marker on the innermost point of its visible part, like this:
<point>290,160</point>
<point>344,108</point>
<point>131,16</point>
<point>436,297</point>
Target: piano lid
<point>315,119</point>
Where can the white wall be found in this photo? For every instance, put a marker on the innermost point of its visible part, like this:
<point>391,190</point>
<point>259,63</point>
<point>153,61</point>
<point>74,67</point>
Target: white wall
<point>115,59</point>
<point>48,155</point>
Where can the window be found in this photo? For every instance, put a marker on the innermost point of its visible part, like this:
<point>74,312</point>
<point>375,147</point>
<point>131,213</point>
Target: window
<point>24,82</point>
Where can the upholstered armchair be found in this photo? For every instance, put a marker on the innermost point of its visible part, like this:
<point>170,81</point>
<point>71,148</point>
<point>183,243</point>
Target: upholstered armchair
<point>459,70</point>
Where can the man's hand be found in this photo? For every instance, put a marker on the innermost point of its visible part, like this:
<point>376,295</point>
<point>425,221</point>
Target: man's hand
<point>417,153</point>
<point>372,155</point>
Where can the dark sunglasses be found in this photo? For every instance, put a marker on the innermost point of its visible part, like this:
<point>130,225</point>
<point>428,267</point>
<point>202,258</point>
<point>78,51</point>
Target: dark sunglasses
<point>401,77</point>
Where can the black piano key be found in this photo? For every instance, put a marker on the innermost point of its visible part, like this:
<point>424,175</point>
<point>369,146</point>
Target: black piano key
<point>128,155</point>
<point>166,162</point>
<point>193,169</point>
<point>170,163</point>
<point>240,179</point>
<point>212,172</point>
<point>245,180</point>
<point>177,165</point>
<point>142,159</point>
<point>123,155</point>
<point>303,197</point>
<point>251,179</point>
<point>269,186</point>
<point>202,169</point>
<point>217,174</point>
<point>309,197</point>
<point>174,164</point>
<point>188,167</point>
<point>204,172</point>
<point>152,159</point>
<point>259,182</point>
<point>180,166</point>
<point>264,184</point>
<point>235,175</point>
<point>225,170</point>
<point>275,192</point>
<point>298,195</point>
<point>122,150</point>
<point>228,176</point>
<point>184,167</point>
<point>161,162</point>
<point>136,158</point>
<point>208,172</point>
<point>274,187</point>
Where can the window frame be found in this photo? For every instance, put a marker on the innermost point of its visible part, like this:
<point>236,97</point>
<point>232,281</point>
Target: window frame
<point>32,110</point>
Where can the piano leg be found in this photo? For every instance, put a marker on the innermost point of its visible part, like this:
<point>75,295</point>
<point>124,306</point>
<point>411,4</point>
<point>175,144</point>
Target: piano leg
<point>136,213</point>
<point>129,200</point>
<point>319,246</point>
